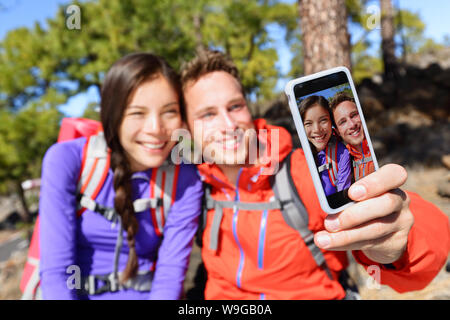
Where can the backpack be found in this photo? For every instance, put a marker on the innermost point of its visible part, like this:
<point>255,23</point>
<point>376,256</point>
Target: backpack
<point>94,170</point>
<point>288,201</point>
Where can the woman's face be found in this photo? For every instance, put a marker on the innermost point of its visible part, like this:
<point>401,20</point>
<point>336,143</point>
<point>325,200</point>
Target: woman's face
<point>151,116</point>
<point>317,124</point>
<point>348,123</point>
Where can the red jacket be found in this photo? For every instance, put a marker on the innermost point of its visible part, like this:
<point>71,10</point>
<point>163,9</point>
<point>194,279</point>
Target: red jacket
<point>260,257</point>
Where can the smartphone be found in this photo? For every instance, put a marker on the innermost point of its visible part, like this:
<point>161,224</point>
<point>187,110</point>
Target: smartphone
<point>333,133</point>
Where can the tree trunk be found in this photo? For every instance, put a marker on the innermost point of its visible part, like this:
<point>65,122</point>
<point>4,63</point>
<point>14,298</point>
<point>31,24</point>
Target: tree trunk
<point>387,39</point>
<point>197,21</point>
<point>400,31</point>
<point>326,41</point>
<point>24,212</point>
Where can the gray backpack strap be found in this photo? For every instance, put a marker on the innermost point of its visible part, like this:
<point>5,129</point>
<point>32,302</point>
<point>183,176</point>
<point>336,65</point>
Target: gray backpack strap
<point>107,212</point>
<point>97,284</point>
<point>171,175</point>
<point>294,211</point>
<point>218,206</point>
<point>361,161</point>
<point>356,170</point>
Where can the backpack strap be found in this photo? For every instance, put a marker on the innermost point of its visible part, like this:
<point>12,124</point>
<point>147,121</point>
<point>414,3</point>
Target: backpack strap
<point>362,161</point>
<point>294,212</point>
<point>97,284</point>
<point>94,170</point>
<point>163,186</point>
<point>324,167</point>
<point>31,289</point>
<point>219,205</point>
<point>359,162</point>
<point>332,159</point>
<point>202,219</point>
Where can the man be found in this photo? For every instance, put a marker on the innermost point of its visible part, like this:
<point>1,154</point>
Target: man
<point>349,127</point>
<point>255,254</point>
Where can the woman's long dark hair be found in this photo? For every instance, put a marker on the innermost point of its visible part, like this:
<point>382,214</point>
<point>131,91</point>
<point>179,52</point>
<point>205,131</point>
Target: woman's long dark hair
<point>124,77</point>
<point>311,101</point>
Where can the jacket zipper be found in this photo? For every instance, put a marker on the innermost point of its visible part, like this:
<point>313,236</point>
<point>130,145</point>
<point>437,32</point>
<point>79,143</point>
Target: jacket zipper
<point>261,242</point>
<point>262,237</point>
<point>234,228</point>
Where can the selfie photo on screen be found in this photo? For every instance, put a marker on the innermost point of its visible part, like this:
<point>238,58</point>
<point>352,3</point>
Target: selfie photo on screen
<point>332,130</point>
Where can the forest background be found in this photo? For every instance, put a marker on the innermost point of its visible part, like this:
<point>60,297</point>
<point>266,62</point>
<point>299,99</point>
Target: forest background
<point>54,69</point>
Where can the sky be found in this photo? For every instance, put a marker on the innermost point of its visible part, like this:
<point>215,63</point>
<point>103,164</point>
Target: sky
<point>25,13</point>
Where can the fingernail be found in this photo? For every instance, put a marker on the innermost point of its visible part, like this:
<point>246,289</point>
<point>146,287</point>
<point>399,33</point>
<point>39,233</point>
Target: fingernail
<point>358,191</point>
<point>323,241</point>
<point>332,224</point>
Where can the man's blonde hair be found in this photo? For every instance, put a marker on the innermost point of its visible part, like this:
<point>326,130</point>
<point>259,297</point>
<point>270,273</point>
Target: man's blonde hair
<point>206,62</point>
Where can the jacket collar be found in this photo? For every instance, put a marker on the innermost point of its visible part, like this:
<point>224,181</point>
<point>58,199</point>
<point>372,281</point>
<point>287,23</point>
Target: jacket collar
<point>355,152</point>
<point>274,142</point>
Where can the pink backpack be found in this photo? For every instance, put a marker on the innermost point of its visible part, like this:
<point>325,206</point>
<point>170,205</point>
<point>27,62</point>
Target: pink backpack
<point>71,128</point>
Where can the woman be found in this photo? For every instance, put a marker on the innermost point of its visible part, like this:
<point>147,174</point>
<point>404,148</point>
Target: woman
<point>141,107</point>
<point>332,158</point>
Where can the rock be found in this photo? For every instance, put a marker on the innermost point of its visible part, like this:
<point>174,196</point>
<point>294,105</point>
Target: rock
<point>8,205</point>
<point>444,188</point>
<point>372,107</point>
<point>422,60</point>
<point>446,161</point>
<point>433,70</point>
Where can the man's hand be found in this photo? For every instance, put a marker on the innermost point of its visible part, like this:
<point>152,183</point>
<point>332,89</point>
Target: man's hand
<point>378,223</point>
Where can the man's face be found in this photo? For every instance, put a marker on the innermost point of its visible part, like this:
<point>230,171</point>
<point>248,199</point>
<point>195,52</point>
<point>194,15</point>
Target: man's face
<point>218,117</point>
<point>348,123</point>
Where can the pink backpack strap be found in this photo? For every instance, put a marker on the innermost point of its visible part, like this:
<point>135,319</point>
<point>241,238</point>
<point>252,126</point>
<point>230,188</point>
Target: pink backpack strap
<point>331,155</point>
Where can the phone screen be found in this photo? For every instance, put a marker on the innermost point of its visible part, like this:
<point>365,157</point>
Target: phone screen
<point>336,133</point>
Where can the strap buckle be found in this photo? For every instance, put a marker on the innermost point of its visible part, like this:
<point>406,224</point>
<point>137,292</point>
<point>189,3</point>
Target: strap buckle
<point>109,283</point>
<point>309,239</point>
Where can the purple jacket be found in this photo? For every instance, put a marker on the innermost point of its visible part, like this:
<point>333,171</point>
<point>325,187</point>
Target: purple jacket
<point>89,241</point>
<point>344,176</point>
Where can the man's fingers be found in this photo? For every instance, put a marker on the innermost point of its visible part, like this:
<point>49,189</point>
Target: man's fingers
<point>362,212</point>
<point>368,232</point>
<point>388,177</point>
<point>360,245</point>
